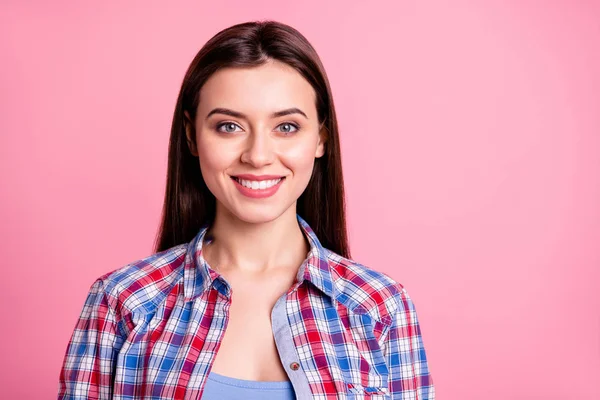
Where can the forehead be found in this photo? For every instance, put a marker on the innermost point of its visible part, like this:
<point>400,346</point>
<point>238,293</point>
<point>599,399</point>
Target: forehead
<point>263,89</point>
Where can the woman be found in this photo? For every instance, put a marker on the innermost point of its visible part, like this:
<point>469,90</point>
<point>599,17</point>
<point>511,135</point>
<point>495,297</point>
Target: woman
<point>251,292</point>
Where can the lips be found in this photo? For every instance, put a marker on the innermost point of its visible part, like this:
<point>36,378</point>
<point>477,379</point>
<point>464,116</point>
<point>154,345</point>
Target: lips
<point>256,186</point>
<point>251,177</point>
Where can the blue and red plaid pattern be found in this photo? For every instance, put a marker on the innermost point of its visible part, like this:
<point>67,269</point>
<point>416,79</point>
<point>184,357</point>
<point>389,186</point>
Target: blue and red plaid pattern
<point>151,329</point>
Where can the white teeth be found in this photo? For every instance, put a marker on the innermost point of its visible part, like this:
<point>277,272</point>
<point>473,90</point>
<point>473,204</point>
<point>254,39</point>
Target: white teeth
<point>258,185</point>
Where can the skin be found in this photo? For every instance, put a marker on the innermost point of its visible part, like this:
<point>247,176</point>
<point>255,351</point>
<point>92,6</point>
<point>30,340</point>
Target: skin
<point>258,245</point>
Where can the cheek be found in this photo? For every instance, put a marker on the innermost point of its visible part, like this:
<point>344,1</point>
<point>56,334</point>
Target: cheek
<point>215,157</point>
<point>210,161</point>
<point>212,166</point>
<point>299,157</point>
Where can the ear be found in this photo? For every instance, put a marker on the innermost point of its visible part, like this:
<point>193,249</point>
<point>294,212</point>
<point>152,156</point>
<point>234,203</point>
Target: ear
<point>190,134</point>
<point>322,141</point>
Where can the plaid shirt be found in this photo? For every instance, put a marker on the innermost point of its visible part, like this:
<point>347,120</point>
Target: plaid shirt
<point>151,330</point>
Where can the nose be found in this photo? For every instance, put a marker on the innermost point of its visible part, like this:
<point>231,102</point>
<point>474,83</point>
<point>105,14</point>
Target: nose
<point>259,150</point>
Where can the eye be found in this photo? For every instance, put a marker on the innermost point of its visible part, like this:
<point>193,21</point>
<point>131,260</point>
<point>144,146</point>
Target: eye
<point>229,127</point>
<point>288,127</point>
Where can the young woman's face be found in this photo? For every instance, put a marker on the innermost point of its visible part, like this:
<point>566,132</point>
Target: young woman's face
<point>257,137</point>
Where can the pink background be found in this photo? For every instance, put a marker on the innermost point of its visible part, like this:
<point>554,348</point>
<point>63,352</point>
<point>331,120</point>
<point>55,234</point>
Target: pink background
<point>471,144</point>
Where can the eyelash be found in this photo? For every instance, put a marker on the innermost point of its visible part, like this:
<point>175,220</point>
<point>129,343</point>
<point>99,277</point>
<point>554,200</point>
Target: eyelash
<point>219,125</point>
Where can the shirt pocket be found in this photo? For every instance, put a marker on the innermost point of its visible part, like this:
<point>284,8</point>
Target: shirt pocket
<point>356,391</point>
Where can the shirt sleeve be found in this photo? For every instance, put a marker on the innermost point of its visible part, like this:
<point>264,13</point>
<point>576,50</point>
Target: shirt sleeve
<point>409,376</point>
<point>88,368</point>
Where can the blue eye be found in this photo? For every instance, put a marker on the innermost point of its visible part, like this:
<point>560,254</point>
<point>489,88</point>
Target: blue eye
<point>289,126</point>
<point>228,126</point>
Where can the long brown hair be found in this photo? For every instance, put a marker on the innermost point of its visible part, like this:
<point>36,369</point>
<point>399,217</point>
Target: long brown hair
<point>188,203</point>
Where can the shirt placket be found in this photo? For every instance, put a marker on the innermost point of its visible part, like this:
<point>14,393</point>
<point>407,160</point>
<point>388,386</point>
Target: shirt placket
<point>287,350</point>
<point>206,358</point>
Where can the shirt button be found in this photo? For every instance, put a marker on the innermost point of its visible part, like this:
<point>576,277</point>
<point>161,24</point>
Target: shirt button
<point>294,366</point>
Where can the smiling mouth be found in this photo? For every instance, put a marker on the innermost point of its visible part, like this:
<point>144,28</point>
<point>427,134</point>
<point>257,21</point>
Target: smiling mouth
<point>258,185</point>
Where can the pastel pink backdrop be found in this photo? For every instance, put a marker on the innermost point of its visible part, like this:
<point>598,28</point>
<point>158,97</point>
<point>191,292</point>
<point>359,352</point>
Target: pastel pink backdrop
<point>471,145</point>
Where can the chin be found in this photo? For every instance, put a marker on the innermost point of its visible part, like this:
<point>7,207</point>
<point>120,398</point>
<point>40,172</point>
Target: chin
<point>258,214</point>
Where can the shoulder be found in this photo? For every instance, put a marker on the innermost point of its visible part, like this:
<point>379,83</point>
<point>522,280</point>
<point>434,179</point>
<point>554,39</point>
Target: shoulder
<point>365,290</point>
<point>141,285</point>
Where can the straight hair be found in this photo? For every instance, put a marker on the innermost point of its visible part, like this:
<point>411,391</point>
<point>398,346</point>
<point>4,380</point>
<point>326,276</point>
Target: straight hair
<point>188,203</point>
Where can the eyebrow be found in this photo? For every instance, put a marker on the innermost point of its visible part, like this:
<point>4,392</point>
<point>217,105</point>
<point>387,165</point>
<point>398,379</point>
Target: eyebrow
<point>238,114</point>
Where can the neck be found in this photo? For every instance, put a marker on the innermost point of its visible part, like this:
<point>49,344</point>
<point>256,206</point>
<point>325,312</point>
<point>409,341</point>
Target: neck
<point>255,247</point>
